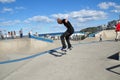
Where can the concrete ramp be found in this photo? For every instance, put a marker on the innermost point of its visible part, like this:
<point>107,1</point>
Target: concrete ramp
<point>83,62</point>
<point>107,34</point>
<point>89,39</point>
<point>17,48</point>
<point>21,45</point>
<point>110,34</point>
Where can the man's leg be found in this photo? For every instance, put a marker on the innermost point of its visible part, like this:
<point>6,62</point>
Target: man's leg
<point>117,36</point>
<point>68,40</point>
<point>62,37</point>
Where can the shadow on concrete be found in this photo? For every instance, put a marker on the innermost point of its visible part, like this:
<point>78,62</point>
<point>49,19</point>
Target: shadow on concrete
<point>113,67</point>
<point>114,56</point>
<point>56,53</point>
<point>110,40</point>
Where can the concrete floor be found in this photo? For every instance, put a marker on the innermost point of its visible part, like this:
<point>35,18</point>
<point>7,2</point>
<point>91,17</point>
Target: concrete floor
<point>86,61</point>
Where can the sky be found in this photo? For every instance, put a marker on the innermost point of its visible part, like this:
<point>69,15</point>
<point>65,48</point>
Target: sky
<point>40,15</point>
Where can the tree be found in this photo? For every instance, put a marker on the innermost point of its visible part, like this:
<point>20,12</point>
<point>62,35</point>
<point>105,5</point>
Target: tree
<point>111,24</point>
<point>90,29</point>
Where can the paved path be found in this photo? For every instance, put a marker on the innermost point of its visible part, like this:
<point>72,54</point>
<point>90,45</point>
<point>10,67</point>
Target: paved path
<point>87,61</point>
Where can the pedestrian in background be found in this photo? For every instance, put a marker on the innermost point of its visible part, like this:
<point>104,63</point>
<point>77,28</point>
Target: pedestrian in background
<point>117,29</point>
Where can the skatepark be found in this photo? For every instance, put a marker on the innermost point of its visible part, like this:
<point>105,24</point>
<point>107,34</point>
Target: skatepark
<point>30,59</point>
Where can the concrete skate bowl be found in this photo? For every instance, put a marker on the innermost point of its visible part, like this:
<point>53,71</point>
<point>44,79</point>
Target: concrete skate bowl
<point>106,35</point>
<point>20,48</point>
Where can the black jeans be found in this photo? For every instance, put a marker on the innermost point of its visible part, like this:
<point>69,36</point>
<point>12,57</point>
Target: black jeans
<point>66,36</point>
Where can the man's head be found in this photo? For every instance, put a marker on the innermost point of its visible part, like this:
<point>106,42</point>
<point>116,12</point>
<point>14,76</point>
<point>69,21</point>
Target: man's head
<point>59,21</point>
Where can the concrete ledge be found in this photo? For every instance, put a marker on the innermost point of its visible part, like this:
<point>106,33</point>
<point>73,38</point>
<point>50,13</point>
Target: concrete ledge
<point>42,39</point>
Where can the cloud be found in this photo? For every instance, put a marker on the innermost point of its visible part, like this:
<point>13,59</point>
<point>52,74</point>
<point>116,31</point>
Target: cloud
<point>59,15</point>
<point>9,23</point>
<point>11,10</point>
<point>5,9</point>
<point>87,15</point>
<point>20,8</point>
<point>107,5</point>
<point>38,19</point>
<point>7,1</point>
<point>83,15</point>
<point>116,11</point>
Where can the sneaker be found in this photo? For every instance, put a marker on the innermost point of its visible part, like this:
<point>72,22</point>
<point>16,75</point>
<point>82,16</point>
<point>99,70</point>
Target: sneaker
<point>63,48</point>
<point>70,48</point>
<point>116,40</point>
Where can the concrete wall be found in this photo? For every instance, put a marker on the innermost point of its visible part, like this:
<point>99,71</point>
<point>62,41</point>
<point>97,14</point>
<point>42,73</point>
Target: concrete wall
<point>107,34</point>
<point>21,46</point>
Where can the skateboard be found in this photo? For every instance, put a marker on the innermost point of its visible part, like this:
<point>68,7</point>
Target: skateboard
<point>59,52</point>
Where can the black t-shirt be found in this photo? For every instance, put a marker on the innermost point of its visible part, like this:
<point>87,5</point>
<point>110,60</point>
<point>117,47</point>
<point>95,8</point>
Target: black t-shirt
<point>68,26</point>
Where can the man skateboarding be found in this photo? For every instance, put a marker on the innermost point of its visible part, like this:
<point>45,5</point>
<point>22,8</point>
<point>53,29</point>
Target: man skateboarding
<point>66,35</point>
